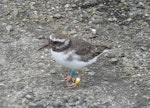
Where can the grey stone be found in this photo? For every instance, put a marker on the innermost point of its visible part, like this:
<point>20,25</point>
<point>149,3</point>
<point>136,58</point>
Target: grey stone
<point>57,16</point>
<point>72,101</point>
<point>67,5</point>
<point>15,12</point>
<point>32,105</point>
<point>112,19</point>
<point>141,5</point>
<point>29,96</point>
<point>114,60</point>
<point>32,5</point>
<point>9,28</point>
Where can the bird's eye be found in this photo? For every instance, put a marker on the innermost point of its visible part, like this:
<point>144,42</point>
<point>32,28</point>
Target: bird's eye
<point>55,42</point>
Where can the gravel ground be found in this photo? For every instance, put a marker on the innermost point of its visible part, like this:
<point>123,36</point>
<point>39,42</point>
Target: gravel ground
<point>31,79</point>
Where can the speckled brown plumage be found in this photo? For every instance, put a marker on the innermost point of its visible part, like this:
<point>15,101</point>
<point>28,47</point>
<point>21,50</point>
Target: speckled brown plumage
<point>86,50</point>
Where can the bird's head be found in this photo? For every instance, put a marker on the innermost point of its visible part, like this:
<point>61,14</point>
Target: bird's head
<point>57,42</point>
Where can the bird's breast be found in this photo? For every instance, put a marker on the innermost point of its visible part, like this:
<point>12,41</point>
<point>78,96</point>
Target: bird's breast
<point>70,59</point>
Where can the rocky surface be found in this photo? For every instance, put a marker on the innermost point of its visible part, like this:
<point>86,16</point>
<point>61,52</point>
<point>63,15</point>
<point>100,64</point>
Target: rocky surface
<point>31,79</point>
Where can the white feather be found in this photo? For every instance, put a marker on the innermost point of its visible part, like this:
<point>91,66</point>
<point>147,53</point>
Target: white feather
<point>62,57</point>
<point>56,39</point>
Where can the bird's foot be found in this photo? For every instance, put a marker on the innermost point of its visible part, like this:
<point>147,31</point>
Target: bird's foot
<point>68,78</point>
<point>71,75</point>
<point>75,82</point>
<point>73,79</point>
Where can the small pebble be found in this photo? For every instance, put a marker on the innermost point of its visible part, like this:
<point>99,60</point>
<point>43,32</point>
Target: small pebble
<point>91,73</point>
<point>67,5</point>
<point>129,19</point>
<point>9,28</point>
<point>15,12</point>
<point>112,19</point>
<point>141,5</point>
<point>146,15</point>
<point>32,105</point>
<point>72,32</point>
<point>113,60</point>
<point>28,96</point>
<point>73,5</point>
<point>57,16</point>
<point>40,37</point>
<point>93,31</point>
<point>53,71</point>
<point>32,5</point>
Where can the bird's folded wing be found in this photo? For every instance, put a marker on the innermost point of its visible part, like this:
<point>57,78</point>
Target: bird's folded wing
<point>86,50</point>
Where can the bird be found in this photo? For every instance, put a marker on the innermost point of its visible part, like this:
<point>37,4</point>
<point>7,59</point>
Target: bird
<point>73,53</point>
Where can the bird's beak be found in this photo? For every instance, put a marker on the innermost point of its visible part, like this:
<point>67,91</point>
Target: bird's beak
<point>46,44</point>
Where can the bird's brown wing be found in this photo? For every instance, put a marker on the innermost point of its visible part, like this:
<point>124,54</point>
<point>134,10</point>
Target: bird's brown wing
<point>86,50</point>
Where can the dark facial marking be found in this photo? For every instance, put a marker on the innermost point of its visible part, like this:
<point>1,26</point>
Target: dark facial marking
<point>56,43</point>
<point>60,46</point>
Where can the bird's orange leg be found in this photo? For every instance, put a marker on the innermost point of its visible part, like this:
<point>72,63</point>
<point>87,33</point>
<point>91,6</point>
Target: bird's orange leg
<point>70,76</point>
<point>76,81</point>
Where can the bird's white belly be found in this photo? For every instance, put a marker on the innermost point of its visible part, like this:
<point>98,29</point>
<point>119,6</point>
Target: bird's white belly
<point>62,58</point>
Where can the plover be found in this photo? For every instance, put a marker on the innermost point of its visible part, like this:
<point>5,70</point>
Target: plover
<point>73,53</point>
